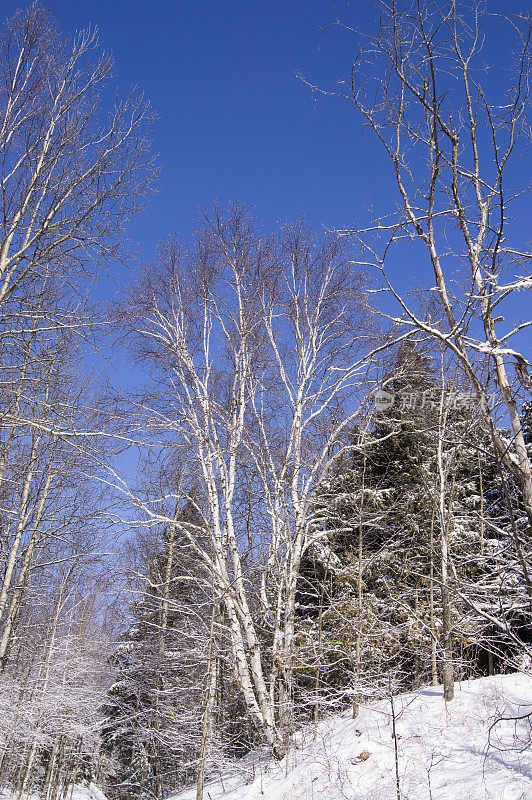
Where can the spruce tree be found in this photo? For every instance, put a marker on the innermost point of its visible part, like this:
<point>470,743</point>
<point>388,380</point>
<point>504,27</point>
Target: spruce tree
<point>154,708</point>
<point>370,590</point>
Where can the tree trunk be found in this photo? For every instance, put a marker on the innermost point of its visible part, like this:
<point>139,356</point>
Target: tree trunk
<point>209,706</point>
<point>444,518</point>
<point>50,768</point>
<point>432,618</point>
<point>19,588</point>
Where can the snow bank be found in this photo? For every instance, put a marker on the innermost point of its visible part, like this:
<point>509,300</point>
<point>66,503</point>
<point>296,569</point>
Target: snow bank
<point>91,792</point>
<point>469,750</point>
<point>80,792</point>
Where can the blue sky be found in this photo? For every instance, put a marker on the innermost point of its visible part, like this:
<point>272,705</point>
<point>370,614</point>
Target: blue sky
<point>234,120</point>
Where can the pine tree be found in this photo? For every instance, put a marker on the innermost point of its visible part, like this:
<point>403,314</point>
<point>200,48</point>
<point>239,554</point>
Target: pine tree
<point>154,708</point>
<point>370,588</point>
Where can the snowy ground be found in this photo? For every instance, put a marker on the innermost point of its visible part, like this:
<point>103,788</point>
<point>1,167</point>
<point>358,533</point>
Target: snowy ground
<point>443,753</point>
<point>78,793</point>
<point>475,749</point>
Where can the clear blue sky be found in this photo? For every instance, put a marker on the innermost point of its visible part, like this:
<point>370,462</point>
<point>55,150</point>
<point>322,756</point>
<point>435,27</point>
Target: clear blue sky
<point>234,121</point>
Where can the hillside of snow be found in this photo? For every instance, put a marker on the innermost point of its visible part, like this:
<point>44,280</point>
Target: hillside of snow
<point>476,748</point>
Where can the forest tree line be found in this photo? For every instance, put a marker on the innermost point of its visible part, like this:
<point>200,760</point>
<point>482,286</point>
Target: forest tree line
<point>332,498</point>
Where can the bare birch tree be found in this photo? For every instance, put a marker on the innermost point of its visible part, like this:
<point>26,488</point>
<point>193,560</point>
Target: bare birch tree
<point>453,137</point>
<point>72,175</point>
<point>256,343</point>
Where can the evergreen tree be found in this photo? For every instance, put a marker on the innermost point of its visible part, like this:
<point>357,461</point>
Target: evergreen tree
<point>370,588</point>
<point>154,709</point>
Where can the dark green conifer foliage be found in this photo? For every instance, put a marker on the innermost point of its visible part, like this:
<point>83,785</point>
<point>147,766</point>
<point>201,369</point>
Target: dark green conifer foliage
<point>369,586</point>
<point>153,713</point>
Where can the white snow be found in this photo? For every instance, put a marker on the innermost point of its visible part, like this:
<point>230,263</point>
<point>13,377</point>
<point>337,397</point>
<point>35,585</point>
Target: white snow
<point>91,792</point>
<point>78,792</point>
<point>468,750</point>
<point>475,748</point>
